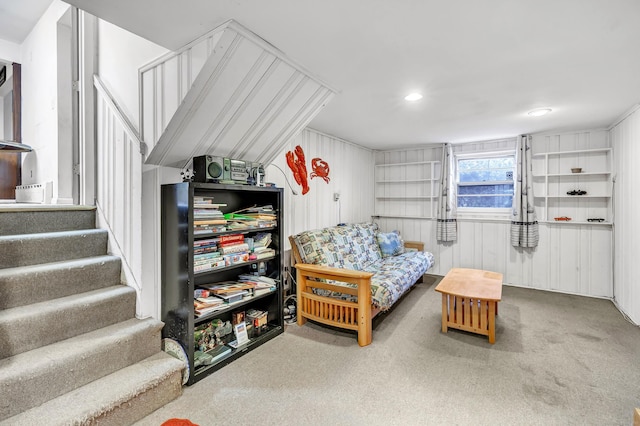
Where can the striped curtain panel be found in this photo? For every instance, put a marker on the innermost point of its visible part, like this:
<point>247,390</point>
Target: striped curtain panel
<point>524,225</point>
<point>447,226</point>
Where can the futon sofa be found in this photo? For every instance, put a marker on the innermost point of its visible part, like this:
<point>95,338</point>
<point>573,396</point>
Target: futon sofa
<point>347,274</point>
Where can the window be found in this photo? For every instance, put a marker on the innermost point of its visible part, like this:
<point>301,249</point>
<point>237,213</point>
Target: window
<point>485,181</point>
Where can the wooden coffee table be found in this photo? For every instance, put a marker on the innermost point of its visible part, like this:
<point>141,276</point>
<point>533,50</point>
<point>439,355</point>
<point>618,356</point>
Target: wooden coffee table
<point>470,300</point>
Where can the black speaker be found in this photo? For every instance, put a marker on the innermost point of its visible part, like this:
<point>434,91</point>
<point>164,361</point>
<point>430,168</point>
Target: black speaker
<point>207,169</point>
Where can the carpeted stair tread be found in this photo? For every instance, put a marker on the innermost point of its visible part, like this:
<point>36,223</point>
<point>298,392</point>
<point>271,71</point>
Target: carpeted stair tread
<point>31,249</point>
<point>28,327</point>
<point>120,398</point>
<point>27,220</point>
<point>44,282</point>
<point>74,362</point>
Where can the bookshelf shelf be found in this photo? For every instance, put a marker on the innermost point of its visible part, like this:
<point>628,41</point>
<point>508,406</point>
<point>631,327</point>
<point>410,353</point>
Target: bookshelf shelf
<point>180,279</point>
<point>553,177</point>
<point>234,266</point>
<point>406,189</point>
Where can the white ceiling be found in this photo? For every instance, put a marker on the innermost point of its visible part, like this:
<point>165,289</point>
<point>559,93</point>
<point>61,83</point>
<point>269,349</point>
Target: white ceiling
<point>481,65</point>
<point>17,18</point>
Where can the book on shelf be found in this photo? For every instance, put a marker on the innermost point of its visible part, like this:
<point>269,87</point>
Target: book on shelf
<point>208,301</point>
<point>203,308</point>
<point>205,250</point>
<point>206,242</point>
<point>234,248</point>
<point>227,286</point>
<point>210,222</point>
<point>262,216</point>
<point>212,264</point>
<point>234,296</point>
<point>208,212</point>
<point>200,292</point>
<point>235,258</point>
<point>207,255</point>
<point>225,240</point>
<point>267,208</point>
<point>262,239</point>
<point>203,202</point>
<point>206,229</point>
<point>265,254</point>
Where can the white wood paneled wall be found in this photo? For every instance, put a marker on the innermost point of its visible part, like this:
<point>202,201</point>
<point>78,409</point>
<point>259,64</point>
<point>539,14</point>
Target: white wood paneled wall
<point>119,186</point>
<point>351,174</point>
<point>573,259</point>
<point>625,138</point>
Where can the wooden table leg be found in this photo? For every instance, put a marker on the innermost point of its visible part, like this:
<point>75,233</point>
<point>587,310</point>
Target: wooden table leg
<point>445,315</point>
<point>492,322</point>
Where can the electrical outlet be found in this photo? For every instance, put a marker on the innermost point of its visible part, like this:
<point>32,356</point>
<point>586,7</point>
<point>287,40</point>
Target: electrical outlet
<point>336,196</point>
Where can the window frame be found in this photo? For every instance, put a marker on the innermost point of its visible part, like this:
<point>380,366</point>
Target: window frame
<point>492,212</point>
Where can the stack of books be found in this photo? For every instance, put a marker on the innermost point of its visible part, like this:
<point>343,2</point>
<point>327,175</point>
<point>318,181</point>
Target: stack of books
<point>265,216</point>
<point>204,305</point>
<point>260,284</point>
<point>234,249</point>
<point>206,255</point>
<point>261,242</point>
<point>230,291</point>
<point>252,217</point>
<point>207,216</point>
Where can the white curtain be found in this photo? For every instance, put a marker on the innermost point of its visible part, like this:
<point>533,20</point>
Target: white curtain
<point>524,225</point>
<point>447,226</point>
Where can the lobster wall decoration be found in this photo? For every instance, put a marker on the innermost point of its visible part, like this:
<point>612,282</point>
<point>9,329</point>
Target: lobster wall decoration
<point>297,163</point>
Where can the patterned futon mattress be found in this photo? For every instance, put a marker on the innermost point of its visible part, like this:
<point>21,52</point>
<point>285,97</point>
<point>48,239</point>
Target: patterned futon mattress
<point>355,246</point>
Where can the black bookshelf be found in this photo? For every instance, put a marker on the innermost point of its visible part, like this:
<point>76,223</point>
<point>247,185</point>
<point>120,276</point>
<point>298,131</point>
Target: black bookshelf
<point>179,279</point>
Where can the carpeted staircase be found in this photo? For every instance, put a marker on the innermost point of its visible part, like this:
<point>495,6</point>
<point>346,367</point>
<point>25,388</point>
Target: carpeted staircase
<point>71,350</point>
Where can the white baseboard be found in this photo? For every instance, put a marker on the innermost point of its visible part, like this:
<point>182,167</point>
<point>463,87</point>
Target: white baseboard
<point>62,201</point>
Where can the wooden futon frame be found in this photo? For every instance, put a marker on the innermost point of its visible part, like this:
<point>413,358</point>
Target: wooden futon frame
<point>356,315</point>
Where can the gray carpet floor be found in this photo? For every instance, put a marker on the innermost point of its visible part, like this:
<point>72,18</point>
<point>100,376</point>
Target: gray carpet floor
<point>558,360</point>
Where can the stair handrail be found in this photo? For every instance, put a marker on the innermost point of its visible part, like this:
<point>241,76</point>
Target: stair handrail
<point>126,123</point>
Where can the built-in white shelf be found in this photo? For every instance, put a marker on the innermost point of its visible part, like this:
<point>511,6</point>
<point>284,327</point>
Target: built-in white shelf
<point>573,152</point>
<point>410,163</point>
<point>406,189</point>
<point>408,197</point>
<point>553,178</point>
<point>404,181</point>
<point>575,197</point>
<point>382,216</point>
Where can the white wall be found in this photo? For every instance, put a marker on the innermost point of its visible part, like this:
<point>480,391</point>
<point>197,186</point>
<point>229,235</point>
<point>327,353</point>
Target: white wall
<point>63,184</point>
<point>40,97</point>
<point>10,52</point>
<point>572,259</point>
<point>625,138</point>
<point>121,54</point>
<point>350,174</point>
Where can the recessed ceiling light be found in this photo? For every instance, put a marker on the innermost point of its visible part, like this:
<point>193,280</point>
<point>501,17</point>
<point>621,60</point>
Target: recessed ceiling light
<point>413,97</point>
<point>539,112</point>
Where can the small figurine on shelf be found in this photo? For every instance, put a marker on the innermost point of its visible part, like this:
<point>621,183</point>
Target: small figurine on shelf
<point>577,192</point>
<point>187,175</point>
<point>562,218</point>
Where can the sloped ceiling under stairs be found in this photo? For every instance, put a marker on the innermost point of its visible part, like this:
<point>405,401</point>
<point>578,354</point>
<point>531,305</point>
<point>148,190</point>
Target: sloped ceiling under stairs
<point>246,102</point>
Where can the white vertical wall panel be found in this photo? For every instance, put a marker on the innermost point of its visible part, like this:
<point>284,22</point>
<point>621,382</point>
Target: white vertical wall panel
<point>245,100</point>
<point>350,176</point>
<point>119,186</point>
<point>625,138</point>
